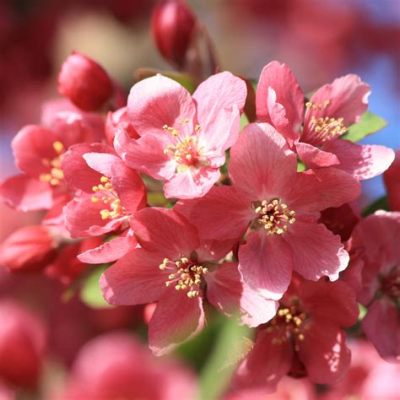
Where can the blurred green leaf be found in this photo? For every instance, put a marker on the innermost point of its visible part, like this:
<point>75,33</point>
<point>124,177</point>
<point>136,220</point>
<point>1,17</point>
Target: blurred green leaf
<point>368,124</point>
<point>243,121</point>
<point>379,204</point>
<point>90,293</point>
<point>231,344</point>
<point>361,312</point>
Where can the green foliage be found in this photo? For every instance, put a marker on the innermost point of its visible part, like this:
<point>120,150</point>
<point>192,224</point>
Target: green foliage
<point>90,293</point>
<point>379,204</point>
<point>368,124</point>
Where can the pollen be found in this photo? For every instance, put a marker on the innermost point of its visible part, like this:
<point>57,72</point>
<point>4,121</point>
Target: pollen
<point>274,216</point>
<point>106,193</point>
<point>55,174</point>
<point>327,128</point>
<point>184,275</point>
<point>185,152</point>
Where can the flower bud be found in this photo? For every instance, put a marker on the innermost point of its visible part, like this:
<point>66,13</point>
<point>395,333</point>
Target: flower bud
<point>29,248</point>
<point>22,340</point>
<point>173,25</point>
<point>84,82</point>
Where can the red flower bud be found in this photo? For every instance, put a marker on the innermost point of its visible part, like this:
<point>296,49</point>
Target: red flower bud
<point>22,340</point>
<point>173,24</point>
<point>84,82</point>
<point>29,248</point>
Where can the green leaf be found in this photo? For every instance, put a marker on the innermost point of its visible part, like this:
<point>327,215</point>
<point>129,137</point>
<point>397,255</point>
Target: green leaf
<point>379,204</point>
<point>243,121</point>
<point>90,293</point>
<point>368,124</point>
<point>232,342</point>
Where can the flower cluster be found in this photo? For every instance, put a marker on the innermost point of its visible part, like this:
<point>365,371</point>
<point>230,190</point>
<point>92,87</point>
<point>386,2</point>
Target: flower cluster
<point>193,204</point>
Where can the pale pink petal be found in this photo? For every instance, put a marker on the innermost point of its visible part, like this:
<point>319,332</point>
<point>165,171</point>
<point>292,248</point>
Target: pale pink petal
<point>223,213</point>
<point>313,157</point>
<point>316,251</point>
<point>190,184</point>
<point>164,230</point>
<point>227,292</point>
<point>158,101</point>
<point>382,327</point>
<point>265,263</point>
<point>324,352</point>
<point>280,100</point>
<point>361,161</point>
<point>26,194</point>
<point>261,163</point>
<point>218,92</point>
<point>176,319</point>
<point>109,251</point>
<point>134,279</point>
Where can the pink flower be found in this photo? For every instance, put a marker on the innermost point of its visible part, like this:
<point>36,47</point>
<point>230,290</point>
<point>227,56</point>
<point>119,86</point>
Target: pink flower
<point>108,192</point>
<point>392,182</point>
<point>305,338</point>
<point>279,208</point>
<point>183,139</point>
<point>116,366</point>
<point>376,240</point>
<point>315,132</point>
<point>178,271</point>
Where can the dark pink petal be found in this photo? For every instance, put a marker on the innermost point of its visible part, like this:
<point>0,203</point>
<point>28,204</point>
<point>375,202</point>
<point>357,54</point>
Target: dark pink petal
<point>83,218</point>
<point>280,100</point>
<point>335,301</point>
<point>227,292</point>
<point>317,190</point>
<point>382,327</point>
<point>313,157</point>
<point>214,250</point>
<point>146,154</point>
<point>109,251</point>
<point>265,263</point>
<point>223,213</point>
<point>268,361</point>
<point>77,173</point>
<point>176,319</point>
<point>26,194</point>
<point>31,146</point>
<point>348,98</point>
<point>193,183</point>
<point>261,163</point>
<point>392,182</point>
<point>164,230</point>
<point>134,279</point>
<point>361,161</point>
<point>316,251</point>
<point>158,101</point>
<point>218,92</point>
<point>324,352</point>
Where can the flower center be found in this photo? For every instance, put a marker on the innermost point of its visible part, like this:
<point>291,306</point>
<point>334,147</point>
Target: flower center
<point>274,216</point>
<point>55,174</point>
<point>184,274</point>
<point>106,193</point>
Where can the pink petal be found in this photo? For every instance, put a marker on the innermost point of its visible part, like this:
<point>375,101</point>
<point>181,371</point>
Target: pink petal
<point>227,292</point>
<point>26,194</point>
<point>280,100</point>
<point>265,263</point>
<point>146,154</point>
<point>176,319</point>
<point>218,92</point>
<point>392,182</point>
<point>190,184</point>
<point>313,157</point>
<point>361,161</point>
<point>382,327</point>
<point>164,230</point>
<point>324,352</point>
<point>109,251</point>
<point>255,159</point>
<point>222,214</point>
<point>134,279</point>
<point>316,251</point>
<point>348,98</point>
<point>214,250</point>
<point>158,101</point>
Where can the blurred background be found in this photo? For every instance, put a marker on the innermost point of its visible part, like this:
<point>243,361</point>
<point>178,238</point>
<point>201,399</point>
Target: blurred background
<point>319,39</point>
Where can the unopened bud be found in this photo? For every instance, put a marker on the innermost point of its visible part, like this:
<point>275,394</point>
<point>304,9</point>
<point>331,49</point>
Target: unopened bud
<point>84,82</point>
<point>173,25</point>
